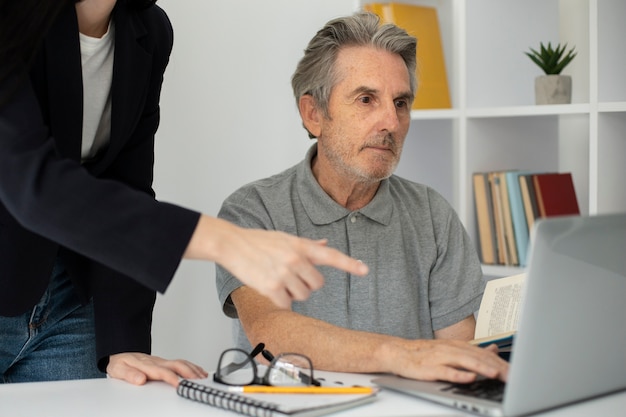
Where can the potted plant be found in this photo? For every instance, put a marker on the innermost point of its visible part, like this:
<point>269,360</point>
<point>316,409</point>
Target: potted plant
<point>552,88</point>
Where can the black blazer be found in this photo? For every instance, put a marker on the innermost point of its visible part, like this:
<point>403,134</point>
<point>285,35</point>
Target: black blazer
<point>101,217</point>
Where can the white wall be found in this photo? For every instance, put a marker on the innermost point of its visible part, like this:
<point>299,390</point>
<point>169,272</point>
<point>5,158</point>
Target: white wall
<point>228,117</point>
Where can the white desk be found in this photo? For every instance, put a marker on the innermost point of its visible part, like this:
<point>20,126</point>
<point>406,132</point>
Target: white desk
<point>109,397</point>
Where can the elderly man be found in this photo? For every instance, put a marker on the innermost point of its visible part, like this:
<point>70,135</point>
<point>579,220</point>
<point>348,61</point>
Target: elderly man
<point>412,315</point>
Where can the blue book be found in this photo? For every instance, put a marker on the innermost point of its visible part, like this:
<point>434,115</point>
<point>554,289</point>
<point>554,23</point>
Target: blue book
<point>520,225</point>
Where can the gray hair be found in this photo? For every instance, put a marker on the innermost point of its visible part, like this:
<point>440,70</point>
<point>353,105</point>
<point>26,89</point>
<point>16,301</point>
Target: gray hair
<point>316,74</point>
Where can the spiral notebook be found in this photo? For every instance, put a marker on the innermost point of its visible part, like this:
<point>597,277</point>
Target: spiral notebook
<point>269,405</point>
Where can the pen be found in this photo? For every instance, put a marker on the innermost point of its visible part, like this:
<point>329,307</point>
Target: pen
<point>302,390</point>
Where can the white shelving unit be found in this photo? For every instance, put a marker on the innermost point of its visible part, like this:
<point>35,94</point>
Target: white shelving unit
<point>494,123</point>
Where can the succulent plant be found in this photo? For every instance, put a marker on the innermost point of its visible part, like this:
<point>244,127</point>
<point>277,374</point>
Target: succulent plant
<point>551,60</point>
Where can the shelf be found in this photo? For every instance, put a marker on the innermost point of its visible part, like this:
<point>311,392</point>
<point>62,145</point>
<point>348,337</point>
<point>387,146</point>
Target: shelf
<point>612,107</point>
<point>513,111</point>
<point>434,114</point>
<point>533,110</point>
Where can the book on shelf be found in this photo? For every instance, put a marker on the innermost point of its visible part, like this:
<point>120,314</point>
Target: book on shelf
<point>208,392</point>
<point>527,190</point>
<point>556,195</point>
<point>507,205</point>
<point>509,235</point>
<point>484,218</point>
<point>423,23</point>
<point>498,213</point>
<point>518,216</point>
<point>499,310</point>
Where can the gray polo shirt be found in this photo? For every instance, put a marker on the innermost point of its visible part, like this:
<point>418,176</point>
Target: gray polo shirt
<point>424,271</point>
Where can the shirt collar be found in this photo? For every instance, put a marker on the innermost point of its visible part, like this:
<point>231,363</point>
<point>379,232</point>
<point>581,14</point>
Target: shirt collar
<point>322,209</point>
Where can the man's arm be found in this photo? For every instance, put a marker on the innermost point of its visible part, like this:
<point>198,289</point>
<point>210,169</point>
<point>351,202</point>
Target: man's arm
<point>463,330</point>
<point>338,349</point>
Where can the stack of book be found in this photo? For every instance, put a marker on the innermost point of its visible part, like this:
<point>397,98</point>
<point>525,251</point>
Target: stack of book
<point>507,205</point>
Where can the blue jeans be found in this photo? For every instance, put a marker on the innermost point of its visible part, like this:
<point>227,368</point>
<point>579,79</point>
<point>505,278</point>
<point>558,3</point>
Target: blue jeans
<point>53,341</point>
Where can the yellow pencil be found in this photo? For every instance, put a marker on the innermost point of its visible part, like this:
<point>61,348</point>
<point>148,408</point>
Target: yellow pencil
<point>302,390</point>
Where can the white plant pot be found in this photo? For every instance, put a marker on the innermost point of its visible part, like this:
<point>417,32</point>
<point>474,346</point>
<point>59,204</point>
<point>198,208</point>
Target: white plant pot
<point>553,89</point>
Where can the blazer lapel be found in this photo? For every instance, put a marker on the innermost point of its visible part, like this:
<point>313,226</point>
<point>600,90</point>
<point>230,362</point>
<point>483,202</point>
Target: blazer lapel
<point>131,75</point>
<point>65,88</point>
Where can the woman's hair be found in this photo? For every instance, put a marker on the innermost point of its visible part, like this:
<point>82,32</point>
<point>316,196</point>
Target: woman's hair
<point>23,25</point>
<point>316,74</point>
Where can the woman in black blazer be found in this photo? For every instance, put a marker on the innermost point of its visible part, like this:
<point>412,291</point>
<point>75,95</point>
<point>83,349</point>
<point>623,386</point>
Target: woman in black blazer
<point>74,224</point>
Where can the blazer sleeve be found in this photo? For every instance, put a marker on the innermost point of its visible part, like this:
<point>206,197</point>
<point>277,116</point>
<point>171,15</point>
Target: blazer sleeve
<point>102,219</point>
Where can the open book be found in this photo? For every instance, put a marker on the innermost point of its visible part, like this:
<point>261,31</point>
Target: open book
<point>499,312</point>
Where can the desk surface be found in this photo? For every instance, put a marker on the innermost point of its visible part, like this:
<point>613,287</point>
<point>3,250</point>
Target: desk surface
<point>109,397</point>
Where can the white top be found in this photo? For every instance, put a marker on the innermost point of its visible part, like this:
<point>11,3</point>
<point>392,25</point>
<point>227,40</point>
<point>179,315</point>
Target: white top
<point>97,63</point>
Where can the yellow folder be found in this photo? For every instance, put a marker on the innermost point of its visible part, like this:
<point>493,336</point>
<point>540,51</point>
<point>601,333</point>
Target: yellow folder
<point>421,22</point>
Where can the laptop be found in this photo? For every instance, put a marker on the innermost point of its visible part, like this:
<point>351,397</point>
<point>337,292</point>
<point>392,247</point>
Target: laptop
<point>570,343</point>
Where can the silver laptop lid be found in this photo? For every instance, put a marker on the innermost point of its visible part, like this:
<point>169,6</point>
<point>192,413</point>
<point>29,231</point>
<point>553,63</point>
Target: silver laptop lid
<point>571,339</point>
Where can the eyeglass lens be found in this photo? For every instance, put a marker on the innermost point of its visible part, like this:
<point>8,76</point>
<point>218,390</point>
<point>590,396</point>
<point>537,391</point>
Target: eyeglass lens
<point>289,370</point>
<point>238,368</point>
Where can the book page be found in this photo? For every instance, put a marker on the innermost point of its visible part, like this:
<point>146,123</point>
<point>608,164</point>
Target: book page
<point>499,308</point>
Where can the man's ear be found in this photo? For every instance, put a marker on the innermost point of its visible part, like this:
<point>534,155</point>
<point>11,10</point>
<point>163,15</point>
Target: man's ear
<point>310,114</point>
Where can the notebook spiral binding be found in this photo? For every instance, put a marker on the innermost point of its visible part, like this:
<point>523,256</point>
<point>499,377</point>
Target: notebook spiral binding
<point>225,400</point>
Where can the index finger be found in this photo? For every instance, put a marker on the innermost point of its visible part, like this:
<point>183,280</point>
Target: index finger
<point>323,255</point>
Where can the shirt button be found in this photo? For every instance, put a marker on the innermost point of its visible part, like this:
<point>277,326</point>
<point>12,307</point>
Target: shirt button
<point>353,219</point>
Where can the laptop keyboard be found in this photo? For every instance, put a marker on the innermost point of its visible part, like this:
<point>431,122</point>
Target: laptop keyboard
<point>488,389</point>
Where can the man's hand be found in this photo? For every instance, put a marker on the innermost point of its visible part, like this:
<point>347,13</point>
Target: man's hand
<point>445,360</point>
<point>138,368</point>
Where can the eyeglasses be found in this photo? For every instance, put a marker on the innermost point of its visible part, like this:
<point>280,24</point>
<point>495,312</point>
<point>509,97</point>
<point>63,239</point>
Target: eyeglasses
<point>238,367</point>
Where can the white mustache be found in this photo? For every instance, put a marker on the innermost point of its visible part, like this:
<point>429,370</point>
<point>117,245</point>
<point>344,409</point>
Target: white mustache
<point>387,141</point>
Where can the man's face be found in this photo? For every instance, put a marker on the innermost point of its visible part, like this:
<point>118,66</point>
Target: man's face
<point>369,111</point>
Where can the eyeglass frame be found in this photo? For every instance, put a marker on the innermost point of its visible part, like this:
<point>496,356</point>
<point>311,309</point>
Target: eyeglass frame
<point>260,348</point>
